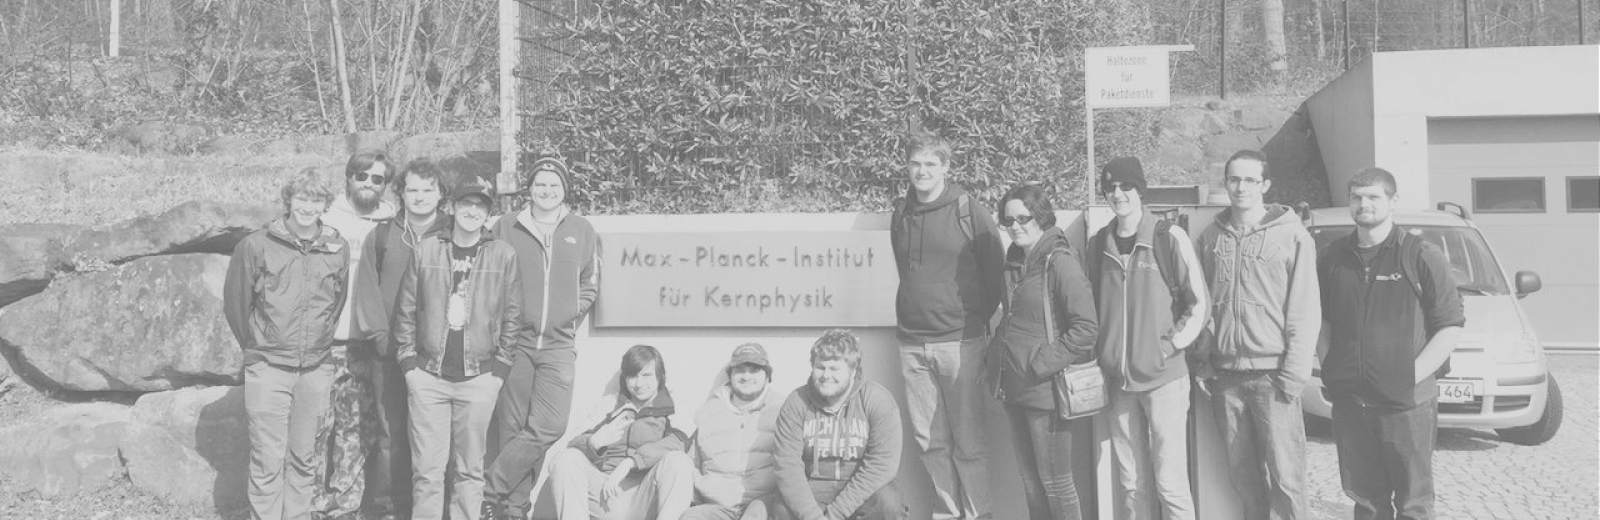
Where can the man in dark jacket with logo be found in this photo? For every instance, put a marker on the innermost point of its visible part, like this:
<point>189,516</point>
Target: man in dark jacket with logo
<point>1388,337</point>
<point>1142,342</point>
<point>1267,310</point>
<point>456,325</point>
<point>385,256</point>
<point>838,441</point>
<point>558,256</point>
<point>283,294</point>
<point>951,268</point>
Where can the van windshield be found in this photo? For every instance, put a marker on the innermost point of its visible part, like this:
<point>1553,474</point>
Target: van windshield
<point>1474,269</point>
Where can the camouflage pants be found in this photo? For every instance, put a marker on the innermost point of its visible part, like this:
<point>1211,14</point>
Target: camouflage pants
<point>348,436</point>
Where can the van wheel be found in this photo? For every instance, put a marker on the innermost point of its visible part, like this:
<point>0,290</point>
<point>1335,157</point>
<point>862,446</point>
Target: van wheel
<point>1539,432</point>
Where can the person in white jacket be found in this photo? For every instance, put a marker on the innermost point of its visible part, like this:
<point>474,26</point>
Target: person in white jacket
<point>735,473</point>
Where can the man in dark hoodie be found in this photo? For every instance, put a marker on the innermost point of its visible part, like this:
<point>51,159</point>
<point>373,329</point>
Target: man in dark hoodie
<point>947,249</point>
<point>838,441</point>
<point>558,255</point>
<point>1143,337</point>
<point>385,254</point>
<point>1261,265</point>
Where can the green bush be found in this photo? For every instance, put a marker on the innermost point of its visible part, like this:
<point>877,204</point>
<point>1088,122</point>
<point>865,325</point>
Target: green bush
<point>718,105</point>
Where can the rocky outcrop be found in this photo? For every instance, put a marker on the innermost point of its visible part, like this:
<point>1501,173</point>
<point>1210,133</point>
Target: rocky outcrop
<point>28,261</point>
<point>191,227</point>
<point>190,446</point>
<point>152,324</point>
<point>66,450</point>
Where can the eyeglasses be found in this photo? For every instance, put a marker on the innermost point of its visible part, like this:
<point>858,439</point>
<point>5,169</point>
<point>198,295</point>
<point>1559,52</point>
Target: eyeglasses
<point>1247,181</point>
<point>377,178</point>
<point>1117,185</point>
<point>1019,219</point>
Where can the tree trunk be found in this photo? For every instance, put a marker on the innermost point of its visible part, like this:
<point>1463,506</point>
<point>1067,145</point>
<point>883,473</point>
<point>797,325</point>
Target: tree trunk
<point>402,74</point>
<point>1319,30</point>
<point>339,65</point>
<point>1277,48</point>
<point>316,67</point>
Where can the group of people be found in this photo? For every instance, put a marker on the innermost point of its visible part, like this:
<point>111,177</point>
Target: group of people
<point>1234,314</point>
<point>418,362</point>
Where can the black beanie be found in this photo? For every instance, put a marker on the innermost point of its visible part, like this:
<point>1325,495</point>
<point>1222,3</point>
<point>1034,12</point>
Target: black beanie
<point>554,165</point>
<point>1126,170</point>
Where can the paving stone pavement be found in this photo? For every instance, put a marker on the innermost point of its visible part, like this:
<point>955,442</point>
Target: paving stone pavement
<point>1479,477</point>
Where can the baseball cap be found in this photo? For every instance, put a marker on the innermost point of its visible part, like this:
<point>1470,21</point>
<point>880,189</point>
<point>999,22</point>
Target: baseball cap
<point>472,186</point>
<point>750,354</point>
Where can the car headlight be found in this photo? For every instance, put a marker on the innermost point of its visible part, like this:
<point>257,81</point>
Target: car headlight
<point>1519,351</point>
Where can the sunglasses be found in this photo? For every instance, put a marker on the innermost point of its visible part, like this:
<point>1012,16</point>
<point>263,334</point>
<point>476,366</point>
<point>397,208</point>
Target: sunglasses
<point>1019,219</point>
<point>1117,185</point>
<point>377,178</point>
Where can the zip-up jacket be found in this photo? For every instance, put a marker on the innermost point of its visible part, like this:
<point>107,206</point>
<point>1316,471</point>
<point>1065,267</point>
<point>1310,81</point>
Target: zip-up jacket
<point>1266,306</point>
<point>1379,325</point>
<point>386,255</point>
<point>1141,341</point>
<point>649,437</point>
<point>950,285</point>
<point>282,296</point>
<point>734,448</point>
<point>559,280</point>
<point>854,445</point>
<point>1029,359</point>
<point>354,227</point>
<point>494,310</point>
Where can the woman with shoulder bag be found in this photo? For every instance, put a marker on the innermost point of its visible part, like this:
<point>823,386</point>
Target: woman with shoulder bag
<point>1049,326</point>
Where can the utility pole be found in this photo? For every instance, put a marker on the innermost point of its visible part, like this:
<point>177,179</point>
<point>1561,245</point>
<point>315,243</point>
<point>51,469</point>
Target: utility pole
<point>1466,24</point>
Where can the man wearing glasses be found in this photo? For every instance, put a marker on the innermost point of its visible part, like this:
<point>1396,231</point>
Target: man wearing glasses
<point>354,215</point>
<point>1152,303</point>
<point>1261,265</point>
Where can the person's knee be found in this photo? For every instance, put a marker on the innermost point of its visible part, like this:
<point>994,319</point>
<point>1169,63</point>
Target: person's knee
<point>675,463</point>
<point>569,461</point>
<point>889,504</point>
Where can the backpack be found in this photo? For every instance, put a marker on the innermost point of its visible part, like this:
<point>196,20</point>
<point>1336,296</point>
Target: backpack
<point>963,213</point>
<point>1410,252</point>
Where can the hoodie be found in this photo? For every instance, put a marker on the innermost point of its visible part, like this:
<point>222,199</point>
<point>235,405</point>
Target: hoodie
<point>1029,360</point>
<point>354,227</point>
<point>560,279</point>
<point>735,448</point>
<point>846,452</point>
<point>949,285</point>
<point>1266,306</point>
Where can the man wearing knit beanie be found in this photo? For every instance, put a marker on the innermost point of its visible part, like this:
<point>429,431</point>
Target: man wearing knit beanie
<point>1147,319</point>
<point>558,260</point>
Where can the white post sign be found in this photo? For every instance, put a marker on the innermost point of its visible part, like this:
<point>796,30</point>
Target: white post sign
<point>1116,77</point>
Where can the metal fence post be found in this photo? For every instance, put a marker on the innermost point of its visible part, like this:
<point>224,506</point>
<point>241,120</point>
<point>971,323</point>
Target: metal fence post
<point>1466,24</point>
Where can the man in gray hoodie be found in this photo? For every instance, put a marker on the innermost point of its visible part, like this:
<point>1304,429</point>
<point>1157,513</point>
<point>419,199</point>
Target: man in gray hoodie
<point>1266,312</point>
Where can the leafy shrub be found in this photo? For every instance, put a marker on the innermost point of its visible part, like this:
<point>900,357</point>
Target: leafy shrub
<point>711,105</point>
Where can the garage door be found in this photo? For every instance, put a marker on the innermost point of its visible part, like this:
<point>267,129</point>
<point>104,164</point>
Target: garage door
<point>1533,185</point>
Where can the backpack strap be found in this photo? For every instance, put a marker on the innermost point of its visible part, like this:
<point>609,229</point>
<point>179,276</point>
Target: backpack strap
<point>1167,261</point>
<point>1410,252</point>
<point>964,215</point>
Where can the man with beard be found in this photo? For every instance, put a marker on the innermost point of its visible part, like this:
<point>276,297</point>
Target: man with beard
<point>354,215</point>
<point>839,441</point>
<point>1388,338</point>
<point>284,291</point>
<point>734,443</point>
<point>384,257</point>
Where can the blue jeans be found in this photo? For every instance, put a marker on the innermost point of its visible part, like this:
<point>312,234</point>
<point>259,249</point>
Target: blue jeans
<point>945,401</point>
<point>1150,444</point>
<point>1386,458</point>
<point>1045,455</point>
<point>1265,438</point>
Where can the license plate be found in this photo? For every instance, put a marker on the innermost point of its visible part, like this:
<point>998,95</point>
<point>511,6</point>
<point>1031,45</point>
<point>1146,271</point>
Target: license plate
<point>1459,391</point>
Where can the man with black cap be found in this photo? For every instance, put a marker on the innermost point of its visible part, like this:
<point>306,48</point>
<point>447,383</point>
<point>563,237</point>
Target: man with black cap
<point>455,327</point>
<point>736,474</point>
<point>1152,302</point>
<point>558,260</point>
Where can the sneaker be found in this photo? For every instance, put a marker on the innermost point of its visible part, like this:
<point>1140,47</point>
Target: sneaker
<point>490,511</point>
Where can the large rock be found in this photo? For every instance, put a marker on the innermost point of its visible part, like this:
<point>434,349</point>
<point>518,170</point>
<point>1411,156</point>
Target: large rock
<point>1256,117</point>
<point>66,450</point>
<point>1191,123</point>
<point>27,264</point>
<point>152,324</point>
<point>190,446</point>
<point>191,227</point>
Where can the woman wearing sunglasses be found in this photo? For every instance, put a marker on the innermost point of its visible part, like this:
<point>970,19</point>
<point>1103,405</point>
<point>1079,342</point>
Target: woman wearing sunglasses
<point>1049,323</point>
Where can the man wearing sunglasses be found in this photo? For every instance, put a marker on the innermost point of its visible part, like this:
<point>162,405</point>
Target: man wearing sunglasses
<point>947,249</point>
<point>1152,302</point>
<point>354,215</point>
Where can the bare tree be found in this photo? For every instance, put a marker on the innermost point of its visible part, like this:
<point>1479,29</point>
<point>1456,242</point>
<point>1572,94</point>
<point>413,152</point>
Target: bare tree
<point>1277,47</point>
